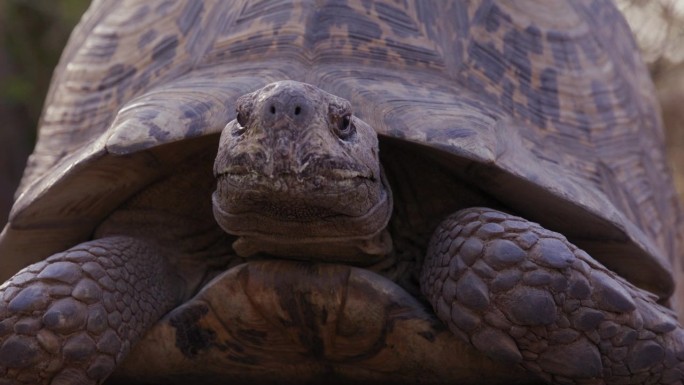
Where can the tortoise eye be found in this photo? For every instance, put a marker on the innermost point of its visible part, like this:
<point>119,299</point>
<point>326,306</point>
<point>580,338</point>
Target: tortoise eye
<point>345,127</point>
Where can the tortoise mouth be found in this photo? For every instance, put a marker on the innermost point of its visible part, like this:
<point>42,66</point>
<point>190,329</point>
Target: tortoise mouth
<point>306,225</point>
<point>349,172</point>
<point>312,195</point>
<point>283,210</point>
<point>300,216</point>
<point>318,174</point>
<point>330,182</point>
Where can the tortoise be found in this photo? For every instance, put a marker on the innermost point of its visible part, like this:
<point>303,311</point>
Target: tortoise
<point>350,191</point>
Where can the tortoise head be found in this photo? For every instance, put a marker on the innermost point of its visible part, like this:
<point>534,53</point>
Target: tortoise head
<point>297,172</point>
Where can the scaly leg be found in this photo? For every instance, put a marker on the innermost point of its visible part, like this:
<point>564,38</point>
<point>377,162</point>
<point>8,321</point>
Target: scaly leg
<point>524,294</point>
<point>72,318</point>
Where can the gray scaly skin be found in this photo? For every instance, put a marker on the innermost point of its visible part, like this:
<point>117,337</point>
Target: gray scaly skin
<point>521,293</point>
<point>72,318</point>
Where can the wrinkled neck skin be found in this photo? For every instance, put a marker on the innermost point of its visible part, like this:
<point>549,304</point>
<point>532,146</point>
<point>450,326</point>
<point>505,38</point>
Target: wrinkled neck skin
<point>298,176</point>
<point>314,240</point>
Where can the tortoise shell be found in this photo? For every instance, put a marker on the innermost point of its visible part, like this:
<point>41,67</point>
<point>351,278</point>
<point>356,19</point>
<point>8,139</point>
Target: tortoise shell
<point>547,103</point>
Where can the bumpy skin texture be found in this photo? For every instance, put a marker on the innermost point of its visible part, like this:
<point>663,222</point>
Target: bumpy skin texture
<point>524,294</point>
<point>72,318</point>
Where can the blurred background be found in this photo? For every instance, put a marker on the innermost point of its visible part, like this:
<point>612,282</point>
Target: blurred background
<point>34,32</point>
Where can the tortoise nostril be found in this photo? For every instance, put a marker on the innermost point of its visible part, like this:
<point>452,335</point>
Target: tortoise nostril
<point>297,110</point>
<point>273,109</point>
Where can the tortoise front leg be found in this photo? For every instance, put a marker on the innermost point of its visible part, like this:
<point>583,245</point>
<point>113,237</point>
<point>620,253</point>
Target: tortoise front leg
<point>524,294</point>
<point>72,318</point>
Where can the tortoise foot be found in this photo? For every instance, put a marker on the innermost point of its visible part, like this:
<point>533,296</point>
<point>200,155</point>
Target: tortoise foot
<point>71,319</point>
<point>525,295</point>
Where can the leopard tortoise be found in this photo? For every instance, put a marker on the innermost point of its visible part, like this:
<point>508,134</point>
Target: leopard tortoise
<point>269,192</point>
